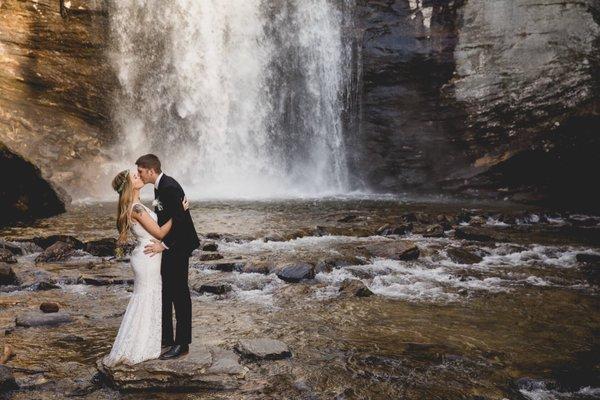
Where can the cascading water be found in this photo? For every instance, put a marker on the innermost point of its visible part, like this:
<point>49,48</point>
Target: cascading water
<point>243,98</point>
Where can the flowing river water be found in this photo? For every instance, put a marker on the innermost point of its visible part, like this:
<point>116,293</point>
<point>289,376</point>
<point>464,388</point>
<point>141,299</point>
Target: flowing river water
<point>521,323</point>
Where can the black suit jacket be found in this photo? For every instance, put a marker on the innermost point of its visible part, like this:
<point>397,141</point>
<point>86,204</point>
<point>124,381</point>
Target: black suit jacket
<point>182,237</point>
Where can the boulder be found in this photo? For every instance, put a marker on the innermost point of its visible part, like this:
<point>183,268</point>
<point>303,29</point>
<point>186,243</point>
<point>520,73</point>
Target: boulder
<point>479,234</point>
<point>387,229</point>
<point>59,251</point>
<point>354,287</point>
<point>214,288</point>
<point>209,256</point>
<point>49,307</point>
<point>6,256</point>
<point>47,241</point>
<point>34,318</point>
<point>397,250</point>
<point>204,368</point>
<point>7,380</point>
<point>102,247</point>
<point>7,275</point>
<point>463,256</point>
<point>263,349</point>
<point>209,246</point>
<point>295,272</point>
<point>436,230</point>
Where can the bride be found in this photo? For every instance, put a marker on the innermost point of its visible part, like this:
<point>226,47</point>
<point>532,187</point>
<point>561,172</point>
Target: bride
<point>139,336</point>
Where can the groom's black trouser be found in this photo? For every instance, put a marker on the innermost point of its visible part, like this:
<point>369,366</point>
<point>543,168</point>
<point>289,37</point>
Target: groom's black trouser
<point>176,292</point>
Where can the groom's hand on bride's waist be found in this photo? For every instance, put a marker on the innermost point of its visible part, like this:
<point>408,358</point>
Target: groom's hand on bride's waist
<point>155,247</point>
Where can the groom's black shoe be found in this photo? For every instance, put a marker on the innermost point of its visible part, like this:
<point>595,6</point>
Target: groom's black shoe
<point>175,351</point>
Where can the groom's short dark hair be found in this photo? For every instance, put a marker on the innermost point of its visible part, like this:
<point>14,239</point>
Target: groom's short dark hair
<point>149,161</point>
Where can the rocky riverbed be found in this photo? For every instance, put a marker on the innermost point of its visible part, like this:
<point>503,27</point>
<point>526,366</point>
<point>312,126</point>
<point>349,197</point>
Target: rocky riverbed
<point>346,299</point>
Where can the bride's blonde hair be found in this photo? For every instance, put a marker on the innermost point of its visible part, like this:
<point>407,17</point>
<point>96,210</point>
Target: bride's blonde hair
<point>122,185</point>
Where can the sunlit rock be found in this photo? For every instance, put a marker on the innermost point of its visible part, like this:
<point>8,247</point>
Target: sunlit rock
<point>34,318</point>
<point>295,272</point>
<point>204,368</point>
<point>59,251</point>
<point>263,348</point>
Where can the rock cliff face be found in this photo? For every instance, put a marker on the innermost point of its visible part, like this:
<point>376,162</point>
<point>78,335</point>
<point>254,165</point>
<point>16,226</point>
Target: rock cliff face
<point>493,98</point>
<point>54,85</point>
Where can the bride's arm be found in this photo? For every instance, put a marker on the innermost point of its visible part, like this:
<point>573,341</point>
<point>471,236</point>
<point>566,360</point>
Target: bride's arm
<point>140,215</point>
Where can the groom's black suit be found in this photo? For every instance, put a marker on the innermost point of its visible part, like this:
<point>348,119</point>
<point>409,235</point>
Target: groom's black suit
<point>181,240</point>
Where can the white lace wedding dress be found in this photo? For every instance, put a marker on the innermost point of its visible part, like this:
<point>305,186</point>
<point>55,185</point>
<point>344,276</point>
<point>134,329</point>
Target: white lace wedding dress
<point>140,331</point>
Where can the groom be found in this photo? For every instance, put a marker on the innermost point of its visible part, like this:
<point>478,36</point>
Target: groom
<point>176,247</point>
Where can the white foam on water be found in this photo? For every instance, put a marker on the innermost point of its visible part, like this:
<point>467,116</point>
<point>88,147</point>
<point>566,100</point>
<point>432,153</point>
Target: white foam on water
<point>495,222</point>
<point>256,288</point>
<point>303,243</point>
<point>560,257</point>
<point>548,394</point>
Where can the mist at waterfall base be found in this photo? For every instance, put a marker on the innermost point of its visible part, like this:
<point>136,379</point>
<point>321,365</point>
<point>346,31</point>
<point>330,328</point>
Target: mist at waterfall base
<point>249,100</point>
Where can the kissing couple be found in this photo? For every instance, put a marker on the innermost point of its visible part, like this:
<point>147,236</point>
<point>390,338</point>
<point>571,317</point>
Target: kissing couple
<point>165,239</point>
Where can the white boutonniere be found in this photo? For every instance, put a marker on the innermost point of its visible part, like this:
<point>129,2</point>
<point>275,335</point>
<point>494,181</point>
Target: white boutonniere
<point>156,203</point>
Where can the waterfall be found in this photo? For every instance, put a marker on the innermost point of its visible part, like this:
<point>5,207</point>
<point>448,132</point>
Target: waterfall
<point>243,98</point>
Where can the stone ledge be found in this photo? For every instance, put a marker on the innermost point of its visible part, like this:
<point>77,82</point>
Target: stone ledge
<point>205,368</point>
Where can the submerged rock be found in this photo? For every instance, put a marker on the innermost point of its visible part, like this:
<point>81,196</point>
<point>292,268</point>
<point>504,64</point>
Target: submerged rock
<point>49,307</point>
<point>101,247</point>
<point>34,318</point>
<point>355,287</point>
<point>7,275</point>
<point>463,256</point>
<point>203,369</point>
<point>59,251</point>
<point>7,380</point>
<point>295,272</point>
<point>6,256</point>
<point>263,349</point>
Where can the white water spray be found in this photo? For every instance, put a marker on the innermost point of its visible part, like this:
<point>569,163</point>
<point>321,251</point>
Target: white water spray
<point>243,98</point>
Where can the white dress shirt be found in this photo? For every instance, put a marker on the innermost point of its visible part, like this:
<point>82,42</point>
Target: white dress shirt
<point>157,181</point>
